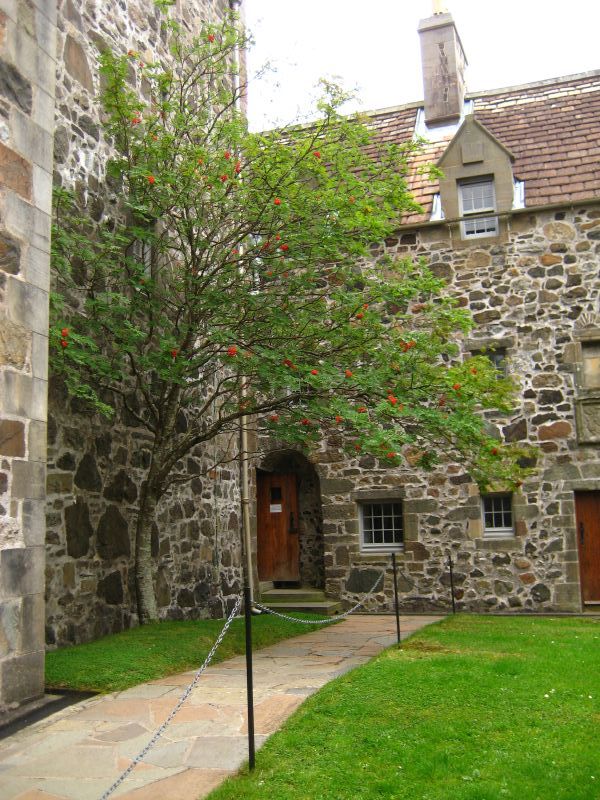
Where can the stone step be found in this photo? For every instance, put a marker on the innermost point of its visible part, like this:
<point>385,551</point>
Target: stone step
<point>327,608</point>
<point>294,596</point>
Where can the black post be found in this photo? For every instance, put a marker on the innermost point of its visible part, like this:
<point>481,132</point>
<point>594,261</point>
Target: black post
<point>396,596</point>
<point>249,685</point>
<point>451,582</point>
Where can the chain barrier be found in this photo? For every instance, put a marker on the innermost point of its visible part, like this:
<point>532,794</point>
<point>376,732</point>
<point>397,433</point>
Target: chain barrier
<point>159,731</point>
<point>325,620</point>
<point>407,578</point>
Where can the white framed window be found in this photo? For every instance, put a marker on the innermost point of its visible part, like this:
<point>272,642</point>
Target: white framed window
<point>381,525</point>
<point>437,212</point>
<point>591,364</point>
<point>475,197</point>
<point>498,518</point>
<point>518,193</point>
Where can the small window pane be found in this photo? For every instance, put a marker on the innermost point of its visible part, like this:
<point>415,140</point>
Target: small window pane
<point>382,524</point>
<point>497,516</point>
<point>591,364</point>
<point>475,197</point>
<point>498,359</point>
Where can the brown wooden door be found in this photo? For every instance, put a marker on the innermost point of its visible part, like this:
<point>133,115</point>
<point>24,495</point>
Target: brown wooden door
<point>278,547</point>
<point>587,514</point>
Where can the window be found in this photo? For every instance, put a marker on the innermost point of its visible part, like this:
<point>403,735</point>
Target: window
<point>498,359</point>
<point>475,197</point>
<point>591,364</point>
<point>497,516</point>
<point>518,194</point>
<point>437,212</point>
<point>382,525</point>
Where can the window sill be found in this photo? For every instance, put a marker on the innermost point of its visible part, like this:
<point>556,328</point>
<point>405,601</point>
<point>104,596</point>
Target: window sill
<point>366,550</point>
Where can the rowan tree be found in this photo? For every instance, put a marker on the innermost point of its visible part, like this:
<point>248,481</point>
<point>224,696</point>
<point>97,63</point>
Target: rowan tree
<point>236,281</point>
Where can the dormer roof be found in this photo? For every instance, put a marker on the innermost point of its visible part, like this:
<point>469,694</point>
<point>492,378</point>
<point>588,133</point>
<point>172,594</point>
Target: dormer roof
<point>472,128</point>
<point>551,128</point>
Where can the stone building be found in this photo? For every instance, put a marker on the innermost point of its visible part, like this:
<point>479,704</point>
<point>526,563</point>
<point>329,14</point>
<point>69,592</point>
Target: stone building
<point>27,69</point>
<point>86,479</point>
<point>513,226</point>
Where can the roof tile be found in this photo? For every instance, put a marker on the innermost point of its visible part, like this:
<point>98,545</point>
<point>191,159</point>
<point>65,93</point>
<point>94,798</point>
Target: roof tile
<point>552,128</point>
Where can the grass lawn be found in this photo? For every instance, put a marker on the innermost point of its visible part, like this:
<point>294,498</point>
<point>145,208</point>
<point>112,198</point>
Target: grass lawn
<point>158,649</point>
<point>475,708</point>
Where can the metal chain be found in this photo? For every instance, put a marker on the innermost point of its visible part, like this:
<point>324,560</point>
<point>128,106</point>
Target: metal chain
<point>159,731</point>
<point>412,582</point>
<point>325,620</point>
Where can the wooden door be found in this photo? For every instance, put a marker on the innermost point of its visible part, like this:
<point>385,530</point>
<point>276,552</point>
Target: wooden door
<point>278,553</point>
<point>587,514</point>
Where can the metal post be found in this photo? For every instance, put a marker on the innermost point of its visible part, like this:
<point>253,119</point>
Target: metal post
<point>451,582</point>
<point>249,682</point>
<point>396,596</point>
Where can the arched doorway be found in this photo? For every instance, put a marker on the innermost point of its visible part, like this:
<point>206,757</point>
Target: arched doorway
<point>290,550</point>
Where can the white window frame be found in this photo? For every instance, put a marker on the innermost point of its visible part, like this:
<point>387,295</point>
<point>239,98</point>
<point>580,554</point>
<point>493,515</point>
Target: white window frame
<point>437,212</point>
<point>590,350</point>
<point>518,193</point>
<point>468,209</point>
<point>398,531</point>
<point>498,531</point>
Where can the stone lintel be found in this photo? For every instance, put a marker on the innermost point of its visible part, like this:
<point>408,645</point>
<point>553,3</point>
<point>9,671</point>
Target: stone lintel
<point>365,495</point>
<point>501,545</point>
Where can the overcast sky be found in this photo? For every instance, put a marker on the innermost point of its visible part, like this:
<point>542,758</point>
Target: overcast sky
<point>373,46</point>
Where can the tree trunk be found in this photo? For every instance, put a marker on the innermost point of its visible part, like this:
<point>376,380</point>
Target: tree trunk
<point>146,598</point>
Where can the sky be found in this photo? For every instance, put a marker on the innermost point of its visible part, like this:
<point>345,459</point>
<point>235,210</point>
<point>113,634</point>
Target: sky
<point>372,47</point>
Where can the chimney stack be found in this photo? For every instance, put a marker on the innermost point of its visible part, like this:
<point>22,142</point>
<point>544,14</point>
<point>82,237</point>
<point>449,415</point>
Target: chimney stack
<point>443,61</point>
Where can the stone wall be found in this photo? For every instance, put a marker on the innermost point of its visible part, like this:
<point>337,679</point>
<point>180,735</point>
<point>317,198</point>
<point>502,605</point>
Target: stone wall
<point>96,468</point>
<point>537,296</point>
<point>94,474</point>
<point>27,66</point>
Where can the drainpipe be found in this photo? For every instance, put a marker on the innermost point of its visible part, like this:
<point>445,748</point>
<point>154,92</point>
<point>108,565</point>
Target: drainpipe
<point>234,5</point>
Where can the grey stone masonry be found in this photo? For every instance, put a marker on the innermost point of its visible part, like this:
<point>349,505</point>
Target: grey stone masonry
<point>535,298</point>
<point>27,90</point>
<point>96,467</point>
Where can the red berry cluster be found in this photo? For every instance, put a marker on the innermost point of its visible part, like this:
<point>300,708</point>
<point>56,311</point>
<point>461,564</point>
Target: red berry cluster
<point>64,334</point>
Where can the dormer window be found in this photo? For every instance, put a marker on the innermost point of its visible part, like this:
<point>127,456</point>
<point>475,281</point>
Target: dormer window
<point>477,196</point>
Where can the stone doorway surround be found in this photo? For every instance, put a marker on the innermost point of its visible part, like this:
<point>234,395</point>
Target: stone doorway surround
<point>312,558</point>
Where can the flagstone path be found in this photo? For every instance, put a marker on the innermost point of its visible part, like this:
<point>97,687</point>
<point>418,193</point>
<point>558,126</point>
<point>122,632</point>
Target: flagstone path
<point>77,753</point>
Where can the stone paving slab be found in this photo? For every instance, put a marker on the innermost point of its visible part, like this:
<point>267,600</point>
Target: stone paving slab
<point>78,752</point>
